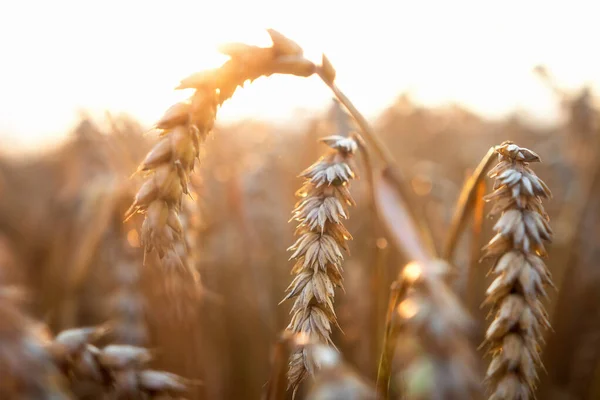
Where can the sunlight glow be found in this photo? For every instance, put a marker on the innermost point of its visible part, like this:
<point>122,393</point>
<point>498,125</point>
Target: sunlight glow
<point>127,56</point>
<point>381,243</point>
<point>412,271</point>
<point>133,238</point>
<point>408,308</point>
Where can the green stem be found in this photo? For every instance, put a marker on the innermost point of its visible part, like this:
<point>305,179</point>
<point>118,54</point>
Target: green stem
<point>384,371</point>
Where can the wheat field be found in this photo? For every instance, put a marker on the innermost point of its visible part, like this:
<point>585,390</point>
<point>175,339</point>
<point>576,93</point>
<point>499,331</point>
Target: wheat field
<point>429,253</point>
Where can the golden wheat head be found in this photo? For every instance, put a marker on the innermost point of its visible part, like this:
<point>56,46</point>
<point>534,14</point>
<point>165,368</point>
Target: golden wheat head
<point>515,335</point>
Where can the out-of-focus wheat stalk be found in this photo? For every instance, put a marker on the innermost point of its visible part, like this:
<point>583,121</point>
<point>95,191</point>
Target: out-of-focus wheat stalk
<point>572,336</point>
<point>465,205</point>
<point>325,198</point>
<point>35,365</point>
<point>26,368</point>
<point>468,292</point>
<point>277,384</point>
<point>429,313</point>
<point>38,366</point>
<point>388,347</point>
<point>515,335</point>
<point>127,302</point>
<point>433,317</point>
<point>335,379</point>
<point>127,305</point>
<point>118,370</point>
<point>185,125</point>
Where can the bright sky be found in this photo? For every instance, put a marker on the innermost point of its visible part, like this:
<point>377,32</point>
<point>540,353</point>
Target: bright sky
<point>62,56</point>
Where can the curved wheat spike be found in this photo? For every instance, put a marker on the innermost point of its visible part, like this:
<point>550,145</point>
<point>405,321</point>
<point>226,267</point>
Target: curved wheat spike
<point>185,125</point>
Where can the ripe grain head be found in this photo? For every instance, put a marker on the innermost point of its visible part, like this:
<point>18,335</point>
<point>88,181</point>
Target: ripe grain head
<point>515,335</point>
<point>325,198</point>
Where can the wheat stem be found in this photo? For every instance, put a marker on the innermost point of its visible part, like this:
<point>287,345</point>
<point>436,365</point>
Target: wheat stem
<point>381,151</point>
<point>467,291</point>
<point>378,147</point>
<point>464,205</point>
<point>277,385</point>
<point>384,370</point>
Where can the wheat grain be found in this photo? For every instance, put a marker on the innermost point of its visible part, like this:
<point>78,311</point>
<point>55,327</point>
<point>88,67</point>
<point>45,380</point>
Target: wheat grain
<point>518,247</point>
<point>318,249</point>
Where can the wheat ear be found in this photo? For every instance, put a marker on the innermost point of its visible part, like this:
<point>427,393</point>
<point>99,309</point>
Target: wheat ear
<point>186,124</point>
<point>318,249</point>
<point>518,247</point>
<point>119,370</point>
<point>27,370</point>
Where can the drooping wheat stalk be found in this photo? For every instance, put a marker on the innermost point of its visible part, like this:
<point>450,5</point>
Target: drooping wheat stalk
<point>318,249</point>
<point>515,335</point>
<point>186,124</point>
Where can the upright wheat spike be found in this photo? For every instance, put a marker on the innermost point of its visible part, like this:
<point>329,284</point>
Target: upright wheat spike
<point>185,125</point>
<point>515,334</point>
<point>318,249</point>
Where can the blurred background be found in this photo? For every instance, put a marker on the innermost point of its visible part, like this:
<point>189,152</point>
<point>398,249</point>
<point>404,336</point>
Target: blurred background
<point>81,83</point>
<point>127,56</point>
